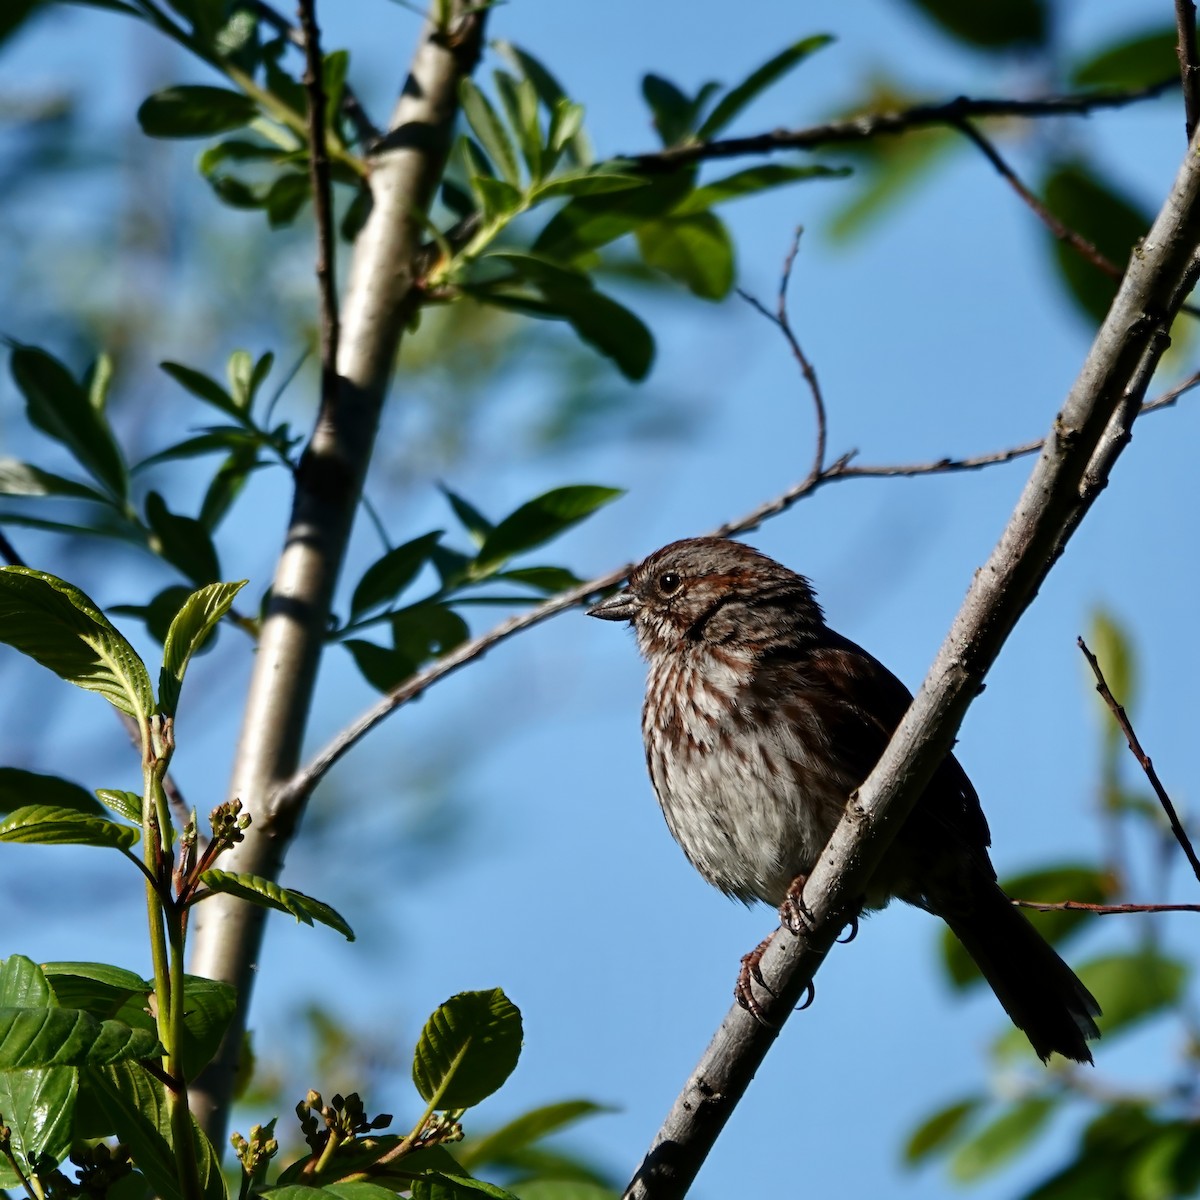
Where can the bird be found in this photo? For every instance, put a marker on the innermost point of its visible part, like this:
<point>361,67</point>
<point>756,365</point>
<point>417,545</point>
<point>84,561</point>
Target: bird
<point>760,721</point>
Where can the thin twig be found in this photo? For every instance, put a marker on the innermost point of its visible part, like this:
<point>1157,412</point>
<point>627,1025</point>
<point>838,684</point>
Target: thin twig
<point>1102,910</point>
<point>1143,758</point>
<point>368,132</point>
<point>1057,228</point>
<point>1189,62</point>
<point>299,786</point>
<point>872,125</point>
<point>781,321</point>
<point>322,188</point>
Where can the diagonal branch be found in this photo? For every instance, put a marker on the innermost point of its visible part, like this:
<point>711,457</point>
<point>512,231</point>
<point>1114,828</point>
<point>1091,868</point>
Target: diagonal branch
<point>1084,441</point>
<point>872,125</point>
<point>295,791</point>
<point>1189,62</point>
<point>1143,758</point>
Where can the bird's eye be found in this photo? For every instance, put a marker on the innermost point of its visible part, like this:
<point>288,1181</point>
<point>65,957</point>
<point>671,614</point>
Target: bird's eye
<point>669,582</point>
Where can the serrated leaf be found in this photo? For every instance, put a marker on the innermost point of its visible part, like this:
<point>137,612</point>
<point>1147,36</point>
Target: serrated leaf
<point>202,387</point>
<point>20,788</point>
<point>737,98</point>
<point>1131,63</point>
<point>193,623</point>
<point>137,1108</point>
<point>182,541</point>
<point>23,984</point>
<point>98,988</point>
<point>209,1005</point>
<point>990,1147</point>
<point>752,181</point>
<point>23,479</point>
<point>66,1037</point>
<point>60,407</point>
<point>539,520</point>
<point>59,627</point>
<point>489,129</point>
<point>468,1048</point>
<point>939,1129</point>
<point>268,894</point>
<point>528,1128</point>
<point>194,111</point>
<point>44,825</point>
<point>39,1110</point>
<point>696,251</point>
<point>390,574</point>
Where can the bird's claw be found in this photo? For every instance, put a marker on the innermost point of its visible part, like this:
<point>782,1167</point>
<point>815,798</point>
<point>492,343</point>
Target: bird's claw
<point>852,925</point>
<point>749,974</point>
<point>793,913</point>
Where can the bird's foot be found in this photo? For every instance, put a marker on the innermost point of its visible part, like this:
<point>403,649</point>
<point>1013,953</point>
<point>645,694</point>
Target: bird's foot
<point>793,914</point>
<point>750,973</point>
<point>852,926</point>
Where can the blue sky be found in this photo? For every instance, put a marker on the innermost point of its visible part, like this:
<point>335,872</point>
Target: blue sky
<point>941,331</point>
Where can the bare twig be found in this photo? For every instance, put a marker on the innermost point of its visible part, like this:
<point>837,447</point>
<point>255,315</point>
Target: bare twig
<point>1102,910</point>
<point>301,784</point>
<point>1143,758</point>
<point>781,321</point>
<point>873,125</point>
<point>1189,62</point>
<point>1057,228</point>
<point>1084,441</point>
<point>366,129</point>
<point>322,188</point>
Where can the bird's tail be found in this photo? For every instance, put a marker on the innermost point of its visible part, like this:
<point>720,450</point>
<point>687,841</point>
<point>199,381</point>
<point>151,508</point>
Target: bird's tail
<point>1041,994</point>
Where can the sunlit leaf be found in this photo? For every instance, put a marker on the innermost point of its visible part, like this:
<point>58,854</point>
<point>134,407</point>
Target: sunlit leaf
<point>67,1037</point>
<point>696,251</point>
<point>193,623</point>
<point>489,129</point>
<point>21,788</point>
<point>468,1048</point>
<point>267,894</point>
<point>44,825</point>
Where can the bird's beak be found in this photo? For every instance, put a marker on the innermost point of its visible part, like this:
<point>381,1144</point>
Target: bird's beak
<point>621,606</point>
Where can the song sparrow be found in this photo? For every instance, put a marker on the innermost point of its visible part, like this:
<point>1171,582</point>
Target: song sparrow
<point>760,721</point>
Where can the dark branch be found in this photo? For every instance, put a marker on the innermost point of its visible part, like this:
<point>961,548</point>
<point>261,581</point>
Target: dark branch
<point>873,125</point>
<point>1189,62</point>
<point>322,188</point>
<point>1143,758</point>
<point>1102,910</point>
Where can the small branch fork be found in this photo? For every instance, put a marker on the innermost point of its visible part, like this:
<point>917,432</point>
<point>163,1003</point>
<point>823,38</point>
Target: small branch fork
<point>1143,758</point>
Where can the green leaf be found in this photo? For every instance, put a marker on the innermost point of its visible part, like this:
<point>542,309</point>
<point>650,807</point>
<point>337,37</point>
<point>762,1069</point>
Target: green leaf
<point>567,137</point>
<point>209,1005</point>
<point>1113,224</point>
<point>436,1186</point>
<point>98,988</point>
<point>562,1189</point>
<point>468,1048</point>
<point>696,251</point>
<point>66,1037</point>
<point>736,99</point>
<point>44,825</point>
<point>528,1128</point>
<point>21,788</point>
<point>286,196</point>
<point>489,129</point>
<point>587,223</point>
<point>939,1129</point>
<point>383,668</point>
<point>1050,884</point>
<point>997,1142</point>
<point>1109,641</point>
<point>60,408</point>
<point>124,804</point>
<point>597,181</point>
<point>194,111</point>
<point>23,479</point>
<point>538,521</point>
<point>475,523</point>
<point>497,198</point>
<point>226,485</point>
<point>520,101</point>
<point>136,1105</point>
<point>1131,987</point>
<point>545,579</point>
<point>160,612</point>
<point>1133,62</point>
<point>751,181</point>
<point>674,111</point>
<point>204,388</point>
<point>182,541</point>
<point>331,1191</point>
<point>192,625</point>
<point>390,574</point>
<point>1001,26</point>
<point>58,626</point>
<point>423,631</point>
<point>267,894</point>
